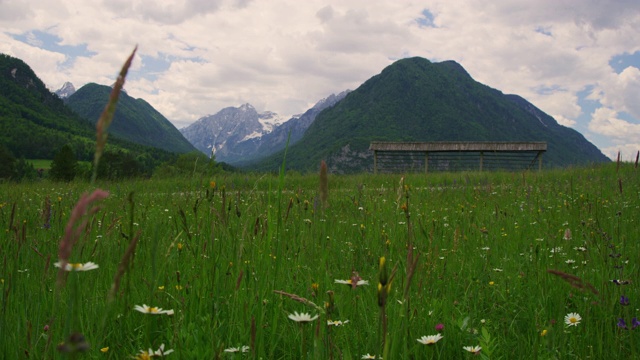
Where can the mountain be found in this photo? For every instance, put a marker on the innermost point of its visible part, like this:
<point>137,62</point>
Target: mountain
<point>247,150</point>
<point>134,119</point>
<point>35,123</point>
<point>65,91</point>
<point>416,100</point>
<point>220,132</point>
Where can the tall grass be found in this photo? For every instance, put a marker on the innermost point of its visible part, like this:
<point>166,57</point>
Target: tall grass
<point>215,254</point>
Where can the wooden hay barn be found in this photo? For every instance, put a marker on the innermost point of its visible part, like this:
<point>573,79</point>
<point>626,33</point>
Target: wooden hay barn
<point>456,156</point>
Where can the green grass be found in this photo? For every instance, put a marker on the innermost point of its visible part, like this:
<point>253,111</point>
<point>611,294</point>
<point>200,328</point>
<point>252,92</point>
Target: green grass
<point>484,243</point>
<point>46,164</point>
<point>40,163</point>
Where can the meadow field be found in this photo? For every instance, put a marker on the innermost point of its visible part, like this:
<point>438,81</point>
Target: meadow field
<point>503,265</point>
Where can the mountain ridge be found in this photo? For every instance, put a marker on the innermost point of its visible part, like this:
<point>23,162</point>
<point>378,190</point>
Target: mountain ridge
<point>134,119</point>
<point>414,99</point>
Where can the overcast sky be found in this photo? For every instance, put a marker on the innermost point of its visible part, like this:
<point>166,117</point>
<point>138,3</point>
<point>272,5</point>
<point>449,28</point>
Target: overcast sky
<point>577,60</point>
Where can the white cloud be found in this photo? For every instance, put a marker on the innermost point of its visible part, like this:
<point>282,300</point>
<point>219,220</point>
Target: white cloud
<point>605,121</point>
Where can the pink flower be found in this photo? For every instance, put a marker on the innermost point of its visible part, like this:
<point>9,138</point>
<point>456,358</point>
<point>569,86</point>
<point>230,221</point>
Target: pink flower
<point>439,327</point>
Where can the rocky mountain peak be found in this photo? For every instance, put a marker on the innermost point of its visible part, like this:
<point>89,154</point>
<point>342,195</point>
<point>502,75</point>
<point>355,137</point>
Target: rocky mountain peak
<point>66,90</point>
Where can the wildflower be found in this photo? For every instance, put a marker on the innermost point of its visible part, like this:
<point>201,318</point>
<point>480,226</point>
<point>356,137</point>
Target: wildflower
<point>242,349</point>
<point>179,246</point>
<point>473,349</point>
<point>439,327</point>
<point>620,282</point>
<point>104,349</point>
<point>572,319</point>
<point>367,356</point>
<point>570,261</point>
<point>624,301</point>
<point>302,317</point>
<point>544,332</point>
<point>430,340</point>
<point>350,282</point>
<point>152,310</point>
<point>567,234</point>
<point>497,270</point>
<point>144,355</point>
<point>336,323</point>
<point>491,283</point>
<point>77,266</point>
<point>635,323</point>
<point>622,324</point>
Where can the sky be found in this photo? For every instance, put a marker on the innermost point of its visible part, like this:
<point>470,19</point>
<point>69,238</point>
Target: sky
<point>577,60</point>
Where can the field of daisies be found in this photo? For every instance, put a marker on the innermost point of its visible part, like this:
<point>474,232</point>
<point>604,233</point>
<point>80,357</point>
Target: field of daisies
<point>523,265</point>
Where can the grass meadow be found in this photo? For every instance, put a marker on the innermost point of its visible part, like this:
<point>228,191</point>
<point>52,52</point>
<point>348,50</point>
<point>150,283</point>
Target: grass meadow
<point>495,260</point>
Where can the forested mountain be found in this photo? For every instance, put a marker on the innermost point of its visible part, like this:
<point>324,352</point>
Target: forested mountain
<point>416,100</point>
<point>134,120</point>
<point>35,123</point>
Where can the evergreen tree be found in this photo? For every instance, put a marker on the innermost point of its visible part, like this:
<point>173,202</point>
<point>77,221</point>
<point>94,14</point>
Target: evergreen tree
<point>25,170</point>
<point>64,165</point>
<point>7,164</point>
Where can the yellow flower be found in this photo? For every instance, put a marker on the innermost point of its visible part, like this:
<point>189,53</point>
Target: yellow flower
<point>544,332</point>
<point>491,283</point>
<point>104,349</point>
<point>178,287</point>
<point>161,288</point>
<point>179,246</point>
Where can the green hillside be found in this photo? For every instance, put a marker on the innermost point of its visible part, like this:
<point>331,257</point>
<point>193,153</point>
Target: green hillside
<point>416,100</point>
<point>134,120</point>
<point>35,123</point>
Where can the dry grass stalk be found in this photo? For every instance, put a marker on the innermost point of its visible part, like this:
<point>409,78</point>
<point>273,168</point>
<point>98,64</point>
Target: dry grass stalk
<point>324,185</point>
<point>299,299</point>
<point>76,225</point>
<point>107,114</point>
<point>124,264</point>
<point>575,281</point>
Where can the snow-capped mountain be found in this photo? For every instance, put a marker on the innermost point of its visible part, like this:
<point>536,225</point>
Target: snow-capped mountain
<point>269,121</point>
<point>214,133</point>
<point>65,91</point>
<point>236,135</point>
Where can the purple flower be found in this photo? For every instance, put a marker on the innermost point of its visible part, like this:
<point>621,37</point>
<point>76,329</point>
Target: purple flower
<point>624,301</point>
<point>440,327</point>
<point>622,324</point>
<point>635,323</point>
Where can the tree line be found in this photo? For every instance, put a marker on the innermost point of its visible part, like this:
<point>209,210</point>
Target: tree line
<point>115,164</point>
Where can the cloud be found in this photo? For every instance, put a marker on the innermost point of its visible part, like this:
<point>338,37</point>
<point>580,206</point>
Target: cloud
<point>164,12</point>
<point>198,56</point>
<point>620,91</point>
<point>605,121</point>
